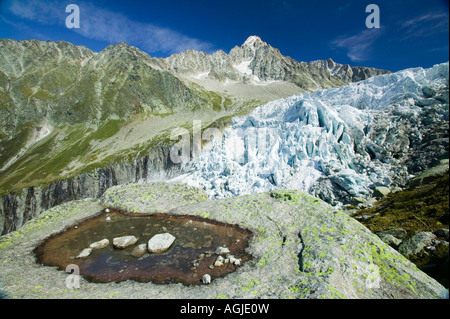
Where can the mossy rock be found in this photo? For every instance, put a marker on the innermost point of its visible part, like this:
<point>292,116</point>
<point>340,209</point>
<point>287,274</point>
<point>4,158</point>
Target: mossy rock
<point>381,191</point>
<point>158,197</point>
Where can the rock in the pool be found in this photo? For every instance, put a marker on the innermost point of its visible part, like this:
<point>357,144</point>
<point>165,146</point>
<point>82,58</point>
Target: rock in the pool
<point>160,243</point>
<point>124,242</point>
<point>84,253</point>
<point>99,244</point>
<point>206,279</point>
<point>222,250</point>
<point>139,250</point>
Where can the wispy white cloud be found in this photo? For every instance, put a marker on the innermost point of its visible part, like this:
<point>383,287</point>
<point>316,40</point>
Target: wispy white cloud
<point>104,25</point>
<point>358,46</point>
<point>344,7</point>
<point>424,25</point>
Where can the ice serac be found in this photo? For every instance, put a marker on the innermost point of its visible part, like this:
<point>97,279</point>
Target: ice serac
<point>337,143</point>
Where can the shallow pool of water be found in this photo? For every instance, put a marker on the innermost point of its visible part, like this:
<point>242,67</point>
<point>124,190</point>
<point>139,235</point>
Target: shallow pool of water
<point>190,257</point>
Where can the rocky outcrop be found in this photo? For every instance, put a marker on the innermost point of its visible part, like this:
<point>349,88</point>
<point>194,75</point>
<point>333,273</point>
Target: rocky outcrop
<point>301,248</point>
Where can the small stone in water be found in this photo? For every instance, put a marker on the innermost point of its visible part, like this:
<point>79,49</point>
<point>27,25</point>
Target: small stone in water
<point>139,251</point>
<point>222,250</point>
<point>84,253</point>
<point>206,279</point>
<point>125,241</point>
<point>160,243</point>
<point>99,244</point>
<point>219,261</point>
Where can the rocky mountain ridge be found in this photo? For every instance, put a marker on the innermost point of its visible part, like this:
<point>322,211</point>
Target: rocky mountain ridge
<point>346,72</point>
<point>256,63</point>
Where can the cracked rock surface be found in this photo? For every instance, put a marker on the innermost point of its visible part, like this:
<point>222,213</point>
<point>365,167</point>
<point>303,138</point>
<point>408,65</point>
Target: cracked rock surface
<point>301,248</point>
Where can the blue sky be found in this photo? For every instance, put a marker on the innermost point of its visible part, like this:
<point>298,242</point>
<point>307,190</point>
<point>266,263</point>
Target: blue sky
<point>412,33</point>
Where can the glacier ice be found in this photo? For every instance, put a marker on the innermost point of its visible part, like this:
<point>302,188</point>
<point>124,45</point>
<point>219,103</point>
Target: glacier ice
<point>336,143</point>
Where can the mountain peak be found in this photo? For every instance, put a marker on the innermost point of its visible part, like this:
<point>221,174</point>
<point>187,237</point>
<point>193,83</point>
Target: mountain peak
<point>253,41</point>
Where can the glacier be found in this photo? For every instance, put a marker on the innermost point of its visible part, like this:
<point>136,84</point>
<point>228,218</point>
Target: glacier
<point>337,144</point>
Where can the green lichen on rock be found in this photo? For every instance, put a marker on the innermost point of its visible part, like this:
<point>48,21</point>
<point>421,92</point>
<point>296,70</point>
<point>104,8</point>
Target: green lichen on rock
<point>301,248</point>
<point>51,220</point>
<point>152,197</point>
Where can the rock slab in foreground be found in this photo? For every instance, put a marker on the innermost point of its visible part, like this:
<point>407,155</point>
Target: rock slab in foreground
<point>301,248</point>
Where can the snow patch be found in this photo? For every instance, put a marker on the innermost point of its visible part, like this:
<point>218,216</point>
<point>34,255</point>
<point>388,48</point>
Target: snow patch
<point>200,76</point>
<point>243,67</point>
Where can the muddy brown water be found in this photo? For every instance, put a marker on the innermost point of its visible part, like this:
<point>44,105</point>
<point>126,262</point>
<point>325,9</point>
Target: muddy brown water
<point>186,261</point>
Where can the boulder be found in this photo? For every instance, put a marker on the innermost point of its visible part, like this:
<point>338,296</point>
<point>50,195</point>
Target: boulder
<point>124,241</point>
<point>389,239</point>
<point>416,243</point>
<point>398,233</point>
<point>160,243</point>
<point>381,191</point>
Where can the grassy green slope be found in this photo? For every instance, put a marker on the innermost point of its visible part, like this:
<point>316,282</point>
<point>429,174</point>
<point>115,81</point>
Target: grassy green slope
<point>101,109</point>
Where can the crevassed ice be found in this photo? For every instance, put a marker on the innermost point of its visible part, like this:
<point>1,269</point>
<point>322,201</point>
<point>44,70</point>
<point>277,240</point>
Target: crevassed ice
<point>291,143</point>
